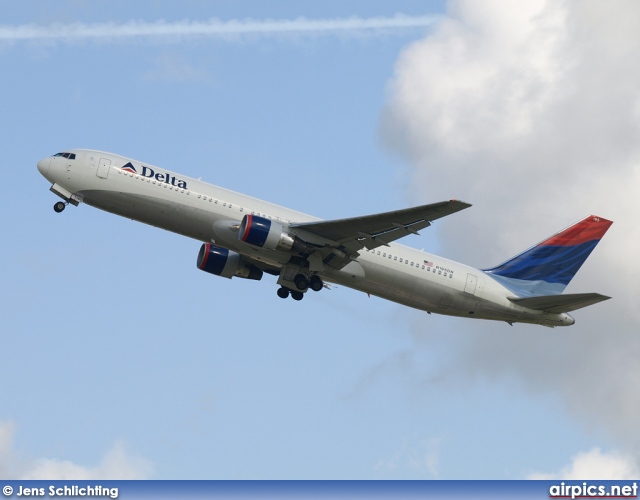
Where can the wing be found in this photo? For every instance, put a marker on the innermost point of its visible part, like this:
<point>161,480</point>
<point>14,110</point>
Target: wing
<point>371,231</point>
<point>560,303</point>
<point>343,238</point>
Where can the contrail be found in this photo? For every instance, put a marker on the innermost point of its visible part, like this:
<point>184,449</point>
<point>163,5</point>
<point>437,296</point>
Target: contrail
<point>212,28</point>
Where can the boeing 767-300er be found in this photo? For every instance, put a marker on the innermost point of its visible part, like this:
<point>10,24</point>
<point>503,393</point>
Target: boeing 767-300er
<point>245,237</point>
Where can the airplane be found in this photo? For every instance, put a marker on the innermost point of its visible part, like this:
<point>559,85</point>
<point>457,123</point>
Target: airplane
<point>245,237</point>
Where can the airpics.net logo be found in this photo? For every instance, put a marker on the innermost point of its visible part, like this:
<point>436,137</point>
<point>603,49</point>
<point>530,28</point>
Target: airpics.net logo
<point>586,490</point>
<point>149,173</point>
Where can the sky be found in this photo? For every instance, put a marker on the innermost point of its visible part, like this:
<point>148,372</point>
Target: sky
<point>119,359</point>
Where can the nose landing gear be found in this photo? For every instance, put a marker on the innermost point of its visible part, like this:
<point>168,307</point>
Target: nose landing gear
<point>60,206</point>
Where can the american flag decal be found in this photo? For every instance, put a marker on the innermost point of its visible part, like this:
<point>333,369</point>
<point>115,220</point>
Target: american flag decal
<point>428,263</point>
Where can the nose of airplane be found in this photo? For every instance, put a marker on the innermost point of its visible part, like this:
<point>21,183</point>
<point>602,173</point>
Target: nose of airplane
<point>43,165</point>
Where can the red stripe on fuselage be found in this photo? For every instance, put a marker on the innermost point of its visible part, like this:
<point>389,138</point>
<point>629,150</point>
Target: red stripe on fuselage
<point>588,229</point>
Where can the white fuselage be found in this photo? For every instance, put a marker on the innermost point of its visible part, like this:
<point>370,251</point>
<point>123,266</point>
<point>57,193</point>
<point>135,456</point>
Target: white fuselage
<point>191,207</point>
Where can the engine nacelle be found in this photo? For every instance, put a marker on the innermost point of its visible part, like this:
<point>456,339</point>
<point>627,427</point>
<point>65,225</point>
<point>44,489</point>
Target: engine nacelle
<point>265,233</point>
<point>226,263</point>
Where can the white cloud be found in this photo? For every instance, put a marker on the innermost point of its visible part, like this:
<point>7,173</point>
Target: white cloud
<point>231,29</point>
<point>594,464</point>
<point>531,111</point>
<point>116,464</point>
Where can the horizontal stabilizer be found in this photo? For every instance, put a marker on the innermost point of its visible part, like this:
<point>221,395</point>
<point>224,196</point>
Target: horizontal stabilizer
<point>560,303</point>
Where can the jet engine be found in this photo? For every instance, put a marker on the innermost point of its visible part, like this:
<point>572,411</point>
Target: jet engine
<point>265,233</point>
<point>226,263</point>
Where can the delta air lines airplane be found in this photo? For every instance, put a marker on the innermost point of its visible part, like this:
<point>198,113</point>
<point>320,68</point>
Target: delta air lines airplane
<point>245,237</point>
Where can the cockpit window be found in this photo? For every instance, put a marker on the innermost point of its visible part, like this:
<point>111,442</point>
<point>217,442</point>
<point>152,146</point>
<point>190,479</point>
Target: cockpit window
<point>71,156</point>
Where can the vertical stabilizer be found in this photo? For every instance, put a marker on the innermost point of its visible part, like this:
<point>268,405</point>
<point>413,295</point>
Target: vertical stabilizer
<point>548,267</point>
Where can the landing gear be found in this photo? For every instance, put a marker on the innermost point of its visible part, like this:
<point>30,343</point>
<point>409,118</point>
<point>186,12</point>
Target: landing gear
<point>283,293</point>
<point>315,283</point>
<point>59,207</point>
<point>301,282</point>
<point>295,279</point>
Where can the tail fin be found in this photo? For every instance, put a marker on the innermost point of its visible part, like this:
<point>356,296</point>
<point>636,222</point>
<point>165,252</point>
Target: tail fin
<point>548,267</point>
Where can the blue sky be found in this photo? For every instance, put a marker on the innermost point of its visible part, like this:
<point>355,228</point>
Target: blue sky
<point>120,359</point>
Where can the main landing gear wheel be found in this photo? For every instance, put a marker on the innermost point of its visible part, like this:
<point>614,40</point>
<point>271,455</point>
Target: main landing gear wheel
<point>283,293</point>
<point>301,282</point>
<point>59,207</point>
<point>315,283</point>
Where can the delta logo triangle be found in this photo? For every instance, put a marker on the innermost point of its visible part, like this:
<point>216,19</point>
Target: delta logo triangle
<point>129,168</point>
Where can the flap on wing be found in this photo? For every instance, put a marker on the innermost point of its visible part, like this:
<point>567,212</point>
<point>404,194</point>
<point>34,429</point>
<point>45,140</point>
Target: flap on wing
<point>371,231</point>
<point>560,303</point>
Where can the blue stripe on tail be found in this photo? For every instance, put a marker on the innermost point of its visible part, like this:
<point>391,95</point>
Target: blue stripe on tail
<point>553,264</point>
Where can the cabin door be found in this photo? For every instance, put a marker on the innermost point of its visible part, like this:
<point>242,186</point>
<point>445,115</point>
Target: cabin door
<point>470,285</point>
<point>103,168</point>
